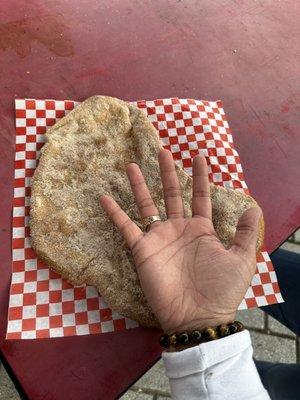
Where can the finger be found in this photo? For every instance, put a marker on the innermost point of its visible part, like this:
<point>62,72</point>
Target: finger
<point>130,231</point>
<point>246,232</point>
<point>171,186</point>
<point>201,202</point>
<point>140,191</point>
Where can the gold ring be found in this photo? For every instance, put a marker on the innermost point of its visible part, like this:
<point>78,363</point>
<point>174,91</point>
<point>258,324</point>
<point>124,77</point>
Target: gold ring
<point>147,221</point>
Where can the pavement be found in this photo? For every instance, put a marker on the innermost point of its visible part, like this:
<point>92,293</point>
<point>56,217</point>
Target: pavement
<point>271,342</point>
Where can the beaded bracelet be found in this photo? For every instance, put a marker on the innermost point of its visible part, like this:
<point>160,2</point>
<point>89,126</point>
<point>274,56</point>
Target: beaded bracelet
<point>197,336</point>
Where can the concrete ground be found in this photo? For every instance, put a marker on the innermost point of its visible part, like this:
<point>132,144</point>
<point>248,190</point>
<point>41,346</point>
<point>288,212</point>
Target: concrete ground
<point>271,342</point>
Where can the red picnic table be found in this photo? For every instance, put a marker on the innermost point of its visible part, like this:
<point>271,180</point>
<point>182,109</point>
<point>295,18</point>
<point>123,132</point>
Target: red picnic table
<point>242,52</point>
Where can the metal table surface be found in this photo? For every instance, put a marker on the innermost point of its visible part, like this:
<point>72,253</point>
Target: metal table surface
<point>245,53</point>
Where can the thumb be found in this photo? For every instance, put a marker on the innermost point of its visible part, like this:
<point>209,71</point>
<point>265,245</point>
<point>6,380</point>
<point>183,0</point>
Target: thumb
<point>246,231</point>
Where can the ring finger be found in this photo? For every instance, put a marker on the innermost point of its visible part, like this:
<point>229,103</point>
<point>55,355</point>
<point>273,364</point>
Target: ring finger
<point>171,186</point>
<point>140,191</point>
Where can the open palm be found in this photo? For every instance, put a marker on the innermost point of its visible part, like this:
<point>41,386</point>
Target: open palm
<point>189,279</point>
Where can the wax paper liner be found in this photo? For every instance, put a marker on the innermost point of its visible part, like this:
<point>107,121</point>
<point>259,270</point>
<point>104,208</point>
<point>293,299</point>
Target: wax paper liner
<point>41,303</point>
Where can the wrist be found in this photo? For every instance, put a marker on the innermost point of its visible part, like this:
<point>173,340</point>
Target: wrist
<point>200,323</point>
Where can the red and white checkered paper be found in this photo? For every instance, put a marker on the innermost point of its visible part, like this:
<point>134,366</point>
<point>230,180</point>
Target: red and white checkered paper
<point>42,304</point>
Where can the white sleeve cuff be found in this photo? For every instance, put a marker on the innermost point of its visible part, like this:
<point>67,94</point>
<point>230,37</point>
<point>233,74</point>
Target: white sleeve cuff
<point>220,369</point>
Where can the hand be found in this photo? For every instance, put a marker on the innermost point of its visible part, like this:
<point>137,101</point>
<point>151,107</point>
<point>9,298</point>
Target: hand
<point>189,279</point>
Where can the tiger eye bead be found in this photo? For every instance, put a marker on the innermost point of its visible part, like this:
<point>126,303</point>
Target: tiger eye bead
<point>164,341</point>
<point>183,338</point>
<point>173,339</point>
<point>239,326</point>
<point>210,334</point>
<point>196,336</point>
<point>223,330</point>
<point>232,328</point>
